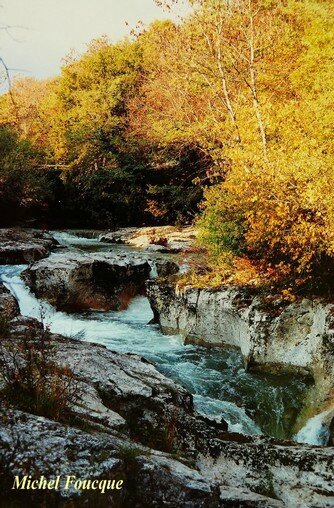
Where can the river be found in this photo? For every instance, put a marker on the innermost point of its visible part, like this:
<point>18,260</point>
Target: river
<point>251,403</point>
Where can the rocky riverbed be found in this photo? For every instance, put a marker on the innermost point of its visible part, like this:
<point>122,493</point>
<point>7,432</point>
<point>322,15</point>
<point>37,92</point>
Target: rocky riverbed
<point>130,421</point>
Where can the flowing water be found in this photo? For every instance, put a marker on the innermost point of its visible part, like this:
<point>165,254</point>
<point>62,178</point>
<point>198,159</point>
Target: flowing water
<point>316,431</point>
<point>250,403</point>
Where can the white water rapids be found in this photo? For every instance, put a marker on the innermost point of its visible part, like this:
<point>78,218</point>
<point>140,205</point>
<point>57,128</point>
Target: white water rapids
<point>250,403</point>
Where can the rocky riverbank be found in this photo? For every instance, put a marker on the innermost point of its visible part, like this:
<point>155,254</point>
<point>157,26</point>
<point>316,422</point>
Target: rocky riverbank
<point>166,239</point>
<point>275,336</point>
<point>157,239</point>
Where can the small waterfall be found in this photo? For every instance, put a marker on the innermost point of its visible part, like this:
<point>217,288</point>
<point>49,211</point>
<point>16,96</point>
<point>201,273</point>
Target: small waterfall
<point>316,430</point>
<point>235,416</point>
<point>29,305</point>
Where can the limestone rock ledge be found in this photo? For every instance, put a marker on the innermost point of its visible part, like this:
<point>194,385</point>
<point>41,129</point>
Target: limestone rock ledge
<point>22,246</point>
<point>297,336</point>
<point>37,446</point>
<point>278,337</point>
<point>159,239</point>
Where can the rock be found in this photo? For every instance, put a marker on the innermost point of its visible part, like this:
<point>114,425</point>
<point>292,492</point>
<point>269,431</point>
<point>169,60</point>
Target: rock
<point>22,246</point>
<point>36,446</point>
<point>156,239</point>
<point>166,268</point>
<point>158,412</point>
<point>173,484</point>
<point>75,281</point>
<point>84,233</point>
<point>293,474</point>
<point>118,376</point>
<point>8,305</point>
<point>296,337</point>
<point>230,496</point>
<point>91,409</point>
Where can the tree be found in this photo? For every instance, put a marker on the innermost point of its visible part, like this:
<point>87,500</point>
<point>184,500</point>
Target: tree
<point>284,204</point>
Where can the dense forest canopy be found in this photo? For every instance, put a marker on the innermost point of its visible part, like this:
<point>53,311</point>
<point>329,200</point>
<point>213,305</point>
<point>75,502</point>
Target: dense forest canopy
<point>225,118</point>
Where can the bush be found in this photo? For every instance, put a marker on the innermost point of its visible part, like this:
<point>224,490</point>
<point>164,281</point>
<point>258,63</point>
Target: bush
<point>222,226</point>
<point>32,381</point>
<point>280,216</point>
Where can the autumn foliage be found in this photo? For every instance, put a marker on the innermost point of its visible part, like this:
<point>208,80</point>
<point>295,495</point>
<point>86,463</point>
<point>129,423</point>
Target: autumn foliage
<point>235,100</point>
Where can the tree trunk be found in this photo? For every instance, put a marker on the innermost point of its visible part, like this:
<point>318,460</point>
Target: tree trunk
<point>253,84</point>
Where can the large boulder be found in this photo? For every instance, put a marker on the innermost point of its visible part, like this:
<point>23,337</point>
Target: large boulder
<point>75,282</point>
<point>22,246</point>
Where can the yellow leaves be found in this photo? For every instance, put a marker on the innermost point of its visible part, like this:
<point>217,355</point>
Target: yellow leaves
<point>226,270</point>
<point>288,295</point>
<point>288,211</point>
<point>155,209</point>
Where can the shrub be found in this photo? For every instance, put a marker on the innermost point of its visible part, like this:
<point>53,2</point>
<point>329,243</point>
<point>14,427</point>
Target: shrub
<point>4,326</point>
<point>279,215</point>
<point>32,381</point>
<point>222,225</point>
